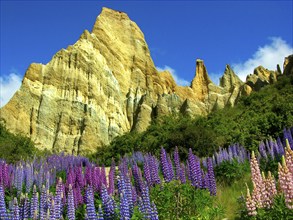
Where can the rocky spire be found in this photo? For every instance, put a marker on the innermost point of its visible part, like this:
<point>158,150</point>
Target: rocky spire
<point>201,80</point>
<point>288,65</point>
<point>230,80</point>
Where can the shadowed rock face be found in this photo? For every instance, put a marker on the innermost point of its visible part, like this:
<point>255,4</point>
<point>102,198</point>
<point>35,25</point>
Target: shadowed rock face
<point>105,85</point>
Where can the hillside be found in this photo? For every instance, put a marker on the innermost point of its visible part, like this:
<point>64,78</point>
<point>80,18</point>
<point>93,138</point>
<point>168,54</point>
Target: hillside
<point>263,114</point>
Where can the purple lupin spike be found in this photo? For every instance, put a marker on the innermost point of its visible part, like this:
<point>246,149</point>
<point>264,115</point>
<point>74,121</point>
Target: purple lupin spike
<point>15,210</point>
<point>124,207</point>
<point>137,178</point>
<point>146,170</point>
<point>177,163</point>
<point>212,180</point>
<point>170,166</point>
<point>90,205</point>
<point>88,175</point>
<point>165,165</point>
<point>111,177</point>
<point>108,204</point>
<point>154,169</point>
<point>34,202</point>
<point>70,204</point>
<point>182,177</point>
<point>3,211</point>
<point>103,176</point>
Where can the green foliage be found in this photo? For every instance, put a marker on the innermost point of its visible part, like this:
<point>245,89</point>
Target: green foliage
<point>15,147</point>
<point>61,174</point>
<point>278,211</point>
<point>270,164</point>
<point>183,201</point>
<point>259,116</point>
<point>230,171</point>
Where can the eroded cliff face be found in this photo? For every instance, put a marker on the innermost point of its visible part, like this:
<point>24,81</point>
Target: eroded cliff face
<point>105,85</point>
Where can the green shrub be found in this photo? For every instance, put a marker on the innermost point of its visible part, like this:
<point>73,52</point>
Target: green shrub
<point>183,201</point>
<point>230,171</point>
<point>15,147</point>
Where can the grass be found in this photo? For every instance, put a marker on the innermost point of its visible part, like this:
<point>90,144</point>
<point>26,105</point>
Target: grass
<point>227,196</point>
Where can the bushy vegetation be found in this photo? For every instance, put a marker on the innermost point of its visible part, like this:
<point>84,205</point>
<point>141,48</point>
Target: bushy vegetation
<point>259,116</point>
<point>182,201</point>
<point>229,172</point>
<point>15,147</point>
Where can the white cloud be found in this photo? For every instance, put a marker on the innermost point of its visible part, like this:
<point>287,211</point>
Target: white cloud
<point>8,86</point>
<point>179,81</point>
<point>268,56</point>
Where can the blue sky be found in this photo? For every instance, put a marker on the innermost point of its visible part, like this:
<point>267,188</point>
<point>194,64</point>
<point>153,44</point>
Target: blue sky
<point>244,34</point>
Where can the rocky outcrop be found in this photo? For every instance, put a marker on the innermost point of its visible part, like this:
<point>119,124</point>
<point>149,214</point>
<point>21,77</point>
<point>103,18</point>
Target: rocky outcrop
<point>106,84</point>
<point>288,65</point>
<point>260,78</point>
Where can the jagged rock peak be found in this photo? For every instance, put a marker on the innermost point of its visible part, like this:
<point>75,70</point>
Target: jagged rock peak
<point>288,65</point>
<point>230,80</point>
<point>201,80</point>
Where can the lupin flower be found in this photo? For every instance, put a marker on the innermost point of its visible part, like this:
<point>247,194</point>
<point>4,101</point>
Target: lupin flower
<point>70,204</point>
<point>211,177</point>
<point>96,179</point>
<point>270,190</point>
<point>154,212</point>
<point>177,164</point>
<point>124,207</point>
<point>3,211</point>
<point>111,178</point>
<point>165,166</point>
<point>256,177</point>
<point>146,170</point>
<point>103,176</point>
<point>108,204</point>
<point>58,198</point>
<point>154,169</point>
<point>52,211</point>
<point>15,210</point>
<point>25,209</point>
<point>182,176</point>
<point>286,183</point>
<point>100,213</point>
<point>288,137</point>
<point>289,157</point>
<point>28,177</point>
<point>90,204</point>
<point>77,196</point>
<point>145,204</point>
<point>137,178</point>
<point>250,204</point>
<point>194,169</point>
<point>128,192</point>
<point>88,175</point>
<point>34,202</point>
<point>170,165</point>
<point>43,203</point>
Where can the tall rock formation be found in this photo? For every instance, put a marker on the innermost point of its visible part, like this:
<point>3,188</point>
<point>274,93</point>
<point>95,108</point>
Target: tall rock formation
<point>105,85</point>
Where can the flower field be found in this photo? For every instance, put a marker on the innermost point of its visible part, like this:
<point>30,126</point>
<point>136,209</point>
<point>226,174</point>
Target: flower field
<point>72,187</point>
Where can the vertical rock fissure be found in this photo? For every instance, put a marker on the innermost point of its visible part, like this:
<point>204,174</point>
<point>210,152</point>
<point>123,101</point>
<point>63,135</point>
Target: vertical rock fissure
<point>58,124</point>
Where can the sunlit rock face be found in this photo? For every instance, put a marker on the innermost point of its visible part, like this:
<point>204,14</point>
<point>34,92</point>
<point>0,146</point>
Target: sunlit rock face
<point>106,84</point>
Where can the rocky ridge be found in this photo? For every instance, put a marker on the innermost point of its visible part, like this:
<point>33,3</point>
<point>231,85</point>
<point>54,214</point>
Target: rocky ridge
<point>106,84</point>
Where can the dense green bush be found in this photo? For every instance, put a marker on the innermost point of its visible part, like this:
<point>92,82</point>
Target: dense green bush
<point>183,201</point>
<point>230,171</point>
<point>15,147</point>
<point>270,164</point>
